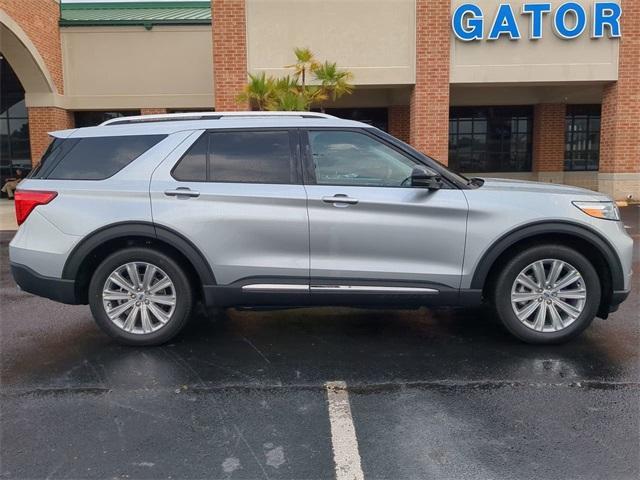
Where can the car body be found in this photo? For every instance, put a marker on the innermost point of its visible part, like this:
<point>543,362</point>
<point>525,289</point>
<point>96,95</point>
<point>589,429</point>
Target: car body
<point>293,209</point>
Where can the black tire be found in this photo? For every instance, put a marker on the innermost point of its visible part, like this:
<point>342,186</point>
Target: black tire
<point>183,296</point>
<point>507,276</point>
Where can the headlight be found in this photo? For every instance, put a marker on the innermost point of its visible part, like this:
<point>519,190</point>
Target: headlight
<point>605,210</point>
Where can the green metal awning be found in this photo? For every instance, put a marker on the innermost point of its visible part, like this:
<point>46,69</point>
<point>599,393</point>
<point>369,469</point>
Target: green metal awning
<point>146,14</point>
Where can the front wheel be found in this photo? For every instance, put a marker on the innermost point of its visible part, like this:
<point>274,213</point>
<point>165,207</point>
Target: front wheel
<point>547,294</point>
<point>140,296</point>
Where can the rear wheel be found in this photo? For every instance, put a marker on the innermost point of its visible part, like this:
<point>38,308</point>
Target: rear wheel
<point>547,294</point>
<point>140,297</point>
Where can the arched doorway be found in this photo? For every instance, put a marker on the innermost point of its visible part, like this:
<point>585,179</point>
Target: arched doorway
<point>15,152</point>
<point>27,81</point>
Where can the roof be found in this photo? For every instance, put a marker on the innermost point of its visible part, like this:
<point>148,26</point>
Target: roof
<point>146,14</point>
<point>271,120</point>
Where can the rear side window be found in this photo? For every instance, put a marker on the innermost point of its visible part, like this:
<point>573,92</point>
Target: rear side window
<point>193,166</point>
<point>97,158</point>
<point>240,157</point>
<point>57,148</point>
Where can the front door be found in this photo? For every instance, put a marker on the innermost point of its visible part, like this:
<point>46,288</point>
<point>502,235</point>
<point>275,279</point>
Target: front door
<point>370,231</point>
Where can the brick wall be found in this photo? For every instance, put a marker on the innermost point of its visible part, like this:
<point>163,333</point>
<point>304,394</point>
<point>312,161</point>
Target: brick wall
<point>153,111</point>
<point>429,106</point>
<point>620,129</point>
<point>549,137</point>
<point>229,53</point>
<point>399,122</point>
<point>43,120</point>
<point>39,20</point>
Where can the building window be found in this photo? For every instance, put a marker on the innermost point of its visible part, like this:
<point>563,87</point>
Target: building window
<point>582,138</point>
<point>93,118</point>
<point>15,151</point>
<point>490,139</point>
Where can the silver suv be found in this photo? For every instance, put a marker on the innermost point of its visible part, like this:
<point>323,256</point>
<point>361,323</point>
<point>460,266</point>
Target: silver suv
<point>141,217</point>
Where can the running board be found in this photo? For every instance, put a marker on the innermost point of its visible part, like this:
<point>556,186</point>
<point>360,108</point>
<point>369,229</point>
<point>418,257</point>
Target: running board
<point>292,287</point>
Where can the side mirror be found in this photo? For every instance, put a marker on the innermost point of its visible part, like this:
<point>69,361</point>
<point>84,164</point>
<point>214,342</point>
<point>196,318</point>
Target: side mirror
<point>425,177</point>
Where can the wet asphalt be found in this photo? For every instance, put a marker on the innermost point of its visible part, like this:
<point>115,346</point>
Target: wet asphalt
<point>443,394</point>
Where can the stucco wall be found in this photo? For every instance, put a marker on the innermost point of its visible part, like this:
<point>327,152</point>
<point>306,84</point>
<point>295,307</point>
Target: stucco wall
<point>129,67</point>
<point>375,39</point>
<point>549,59</point>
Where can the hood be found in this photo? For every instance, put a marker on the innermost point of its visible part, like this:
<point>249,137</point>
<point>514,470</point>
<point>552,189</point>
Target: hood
<point>506,184</point>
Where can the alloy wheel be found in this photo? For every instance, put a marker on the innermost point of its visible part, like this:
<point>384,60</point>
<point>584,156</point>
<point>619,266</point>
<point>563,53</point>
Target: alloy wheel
<point>139,297</point>
<point>548,295</point>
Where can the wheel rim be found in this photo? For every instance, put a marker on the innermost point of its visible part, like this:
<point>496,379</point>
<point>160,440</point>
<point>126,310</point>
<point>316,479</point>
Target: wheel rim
<point>548,295</point>
<point>139,298</point>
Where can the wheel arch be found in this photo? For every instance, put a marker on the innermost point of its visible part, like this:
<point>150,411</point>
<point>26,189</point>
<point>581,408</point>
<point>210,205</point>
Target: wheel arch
<point>590,243</point>
<point>96,246</point>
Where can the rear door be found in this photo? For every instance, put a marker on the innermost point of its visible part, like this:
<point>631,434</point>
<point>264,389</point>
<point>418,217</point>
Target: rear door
<point>370,231</point>
<point>237,195</point>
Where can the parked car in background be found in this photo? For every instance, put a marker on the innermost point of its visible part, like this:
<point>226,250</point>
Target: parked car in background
<point>140,217</point>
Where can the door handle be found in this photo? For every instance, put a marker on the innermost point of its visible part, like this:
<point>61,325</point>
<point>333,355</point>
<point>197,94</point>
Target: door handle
<point>182,192</point>
<point>340,198</point>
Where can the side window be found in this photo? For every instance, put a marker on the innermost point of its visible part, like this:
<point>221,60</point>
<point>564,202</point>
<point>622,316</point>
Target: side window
<point>97,158</point>
<point>353,158</point>
<point>193,165</point>
<point>56,149</point>
<point>251,157</point>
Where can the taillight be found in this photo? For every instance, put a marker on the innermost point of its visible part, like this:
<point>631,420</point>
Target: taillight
<point>27,200</point>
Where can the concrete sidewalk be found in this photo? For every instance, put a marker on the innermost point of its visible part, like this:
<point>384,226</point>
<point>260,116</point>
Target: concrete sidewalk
<point>7,215</point>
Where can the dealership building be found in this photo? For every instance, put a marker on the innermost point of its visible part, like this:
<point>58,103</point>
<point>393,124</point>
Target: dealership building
<point>531,90</point>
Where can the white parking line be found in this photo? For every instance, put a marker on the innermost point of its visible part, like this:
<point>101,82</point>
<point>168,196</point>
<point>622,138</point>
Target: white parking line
<point>343,434</point>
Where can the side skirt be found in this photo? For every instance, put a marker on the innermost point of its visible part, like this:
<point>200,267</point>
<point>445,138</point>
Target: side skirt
<point>297,292</point>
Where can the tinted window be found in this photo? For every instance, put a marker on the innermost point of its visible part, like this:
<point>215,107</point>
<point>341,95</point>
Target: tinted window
<point>193,166</point>
<point>251,157</point>
<point>97,158</point>
<point>52,152</point>
<point>352,158</point>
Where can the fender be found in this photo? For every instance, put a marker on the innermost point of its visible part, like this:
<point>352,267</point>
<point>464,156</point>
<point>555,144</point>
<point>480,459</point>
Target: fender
<point>540,228</point>
<point>138,229</point>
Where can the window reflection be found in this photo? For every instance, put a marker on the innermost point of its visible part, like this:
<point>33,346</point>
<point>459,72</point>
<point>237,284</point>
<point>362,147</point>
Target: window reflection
<point>582,138</point>
<point>490,139</point>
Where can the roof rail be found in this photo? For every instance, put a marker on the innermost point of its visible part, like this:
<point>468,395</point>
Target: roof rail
<point>191,116</point>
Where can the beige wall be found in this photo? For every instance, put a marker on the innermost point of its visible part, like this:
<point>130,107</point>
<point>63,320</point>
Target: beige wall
<point>130,67</point>
<point>550,59</point>
<point>375,39</point>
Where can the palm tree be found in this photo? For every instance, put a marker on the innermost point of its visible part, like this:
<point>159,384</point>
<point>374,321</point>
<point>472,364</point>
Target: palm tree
<point>286,100</point>
<point>305,62</point>
<point>259,91</point>
<point>335,82</point>
<point>291,92</point>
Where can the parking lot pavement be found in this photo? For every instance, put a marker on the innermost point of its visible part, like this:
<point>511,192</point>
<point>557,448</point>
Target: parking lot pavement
<point>442,394</point>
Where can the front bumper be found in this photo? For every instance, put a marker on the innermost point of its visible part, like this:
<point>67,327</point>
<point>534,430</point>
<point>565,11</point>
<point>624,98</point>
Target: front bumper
<point>58,289</point>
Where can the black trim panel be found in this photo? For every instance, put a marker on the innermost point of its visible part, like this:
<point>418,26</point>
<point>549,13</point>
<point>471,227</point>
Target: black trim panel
<point>57,289</point>
<point>232,295</point>
<point>138,229</point>
<point>541,228</point>
<point>617,298</point>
